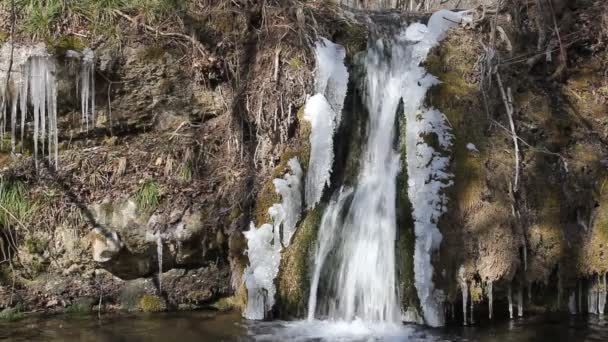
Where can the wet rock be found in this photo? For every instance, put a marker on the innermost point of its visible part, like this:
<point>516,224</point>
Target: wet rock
<point>106,245</point>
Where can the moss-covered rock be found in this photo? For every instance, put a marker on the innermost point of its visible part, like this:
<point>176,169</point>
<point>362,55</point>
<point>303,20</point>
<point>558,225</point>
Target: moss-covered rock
<point>293,281</point>
<point>150,303</point>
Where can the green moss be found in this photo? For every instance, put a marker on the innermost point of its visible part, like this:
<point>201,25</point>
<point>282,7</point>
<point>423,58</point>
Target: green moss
<point>150,303</point>
<point>148,196</point>
<point>3,37</point>
<point>594,260</point>
<point>352,36</point>
<point>184,174</point>
<point>36,245</point>
<point>236,302</point>
<point>294,278</point>
<point>406,238</point>
<point>476,292</point>
<point>11,314</point>
<point>62,44</point>
<point>81,306</point>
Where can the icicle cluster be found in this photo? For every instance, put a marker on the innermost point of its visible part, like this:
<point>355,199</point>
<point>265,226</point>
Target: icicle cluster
<point>31,81</point>
<point>464,288</point>
<point>596,295</point>
<point>264,244</point>
<point>323,111</point>
<point>87,88</point>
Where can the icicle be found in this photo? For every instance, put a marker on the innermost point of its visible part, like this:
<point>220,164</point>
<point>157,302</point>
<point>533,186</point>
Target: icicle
<point>472,321</point>
<point>464,288</point>
<point>520,301</point>
<point>159,256</point>
<point>13,119</point>
<point>490,299</point>
<point>559,290</point>
<point>87,88</point>
<point>25,70</point>
<point>510,298</point>
<point>601,301</point>
<point>592,298</point>
<point>580,296</point>
<point>572,303</point>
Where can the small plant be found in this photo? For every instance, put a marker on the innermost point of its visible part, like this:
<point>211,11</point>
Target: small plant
<point>148,197</point>
<point>11,314</point>
<point>296,63</point>
<point>15,208</point>
<point>185,173</point>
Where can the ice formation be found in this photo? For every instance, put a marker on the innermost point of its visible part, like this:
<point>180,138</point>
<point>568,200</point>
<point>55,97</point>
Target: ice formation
<point>464,288</point>
<point>159,256</point>
<point>601,299</point>
<point>426,166</point>
<point>592,299</point>
<point>287,213</point>
<point>490,299</point>
<point>264,244</point>
<point>32,78</point>
<point>324,110</point>
<point>572,303</point>
<point>520,301</point>
<point>322,119</point>
<point>87,88</point>
<point>510,299</point>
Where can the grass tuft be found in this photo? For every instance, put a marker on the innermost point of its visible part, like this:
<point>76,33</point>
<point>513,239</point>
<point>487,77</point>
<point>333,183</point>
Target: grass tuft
<point>15,208</point>
<point>148,197</point>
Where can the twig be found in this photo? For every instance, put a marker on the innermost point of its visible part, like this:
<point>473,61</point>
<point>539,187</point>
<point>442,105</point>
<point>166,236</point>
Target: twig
<point>507,99</point>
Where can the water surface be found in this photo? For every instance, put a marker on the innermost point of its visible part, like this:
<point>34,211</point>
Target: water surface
<point>209,326</point>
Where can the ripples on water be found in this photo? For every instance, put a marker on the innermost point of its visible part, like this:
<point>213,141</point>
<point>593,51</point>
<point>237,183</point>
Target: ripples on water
<point>207,327</point>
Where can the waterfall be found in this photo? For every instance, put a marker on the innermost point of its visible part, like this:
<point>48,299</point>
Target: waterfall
<point>362,232</point>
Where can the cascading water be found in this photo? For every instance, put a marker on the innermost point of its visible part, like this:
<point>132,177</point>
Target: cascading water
<point>362,231</point>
